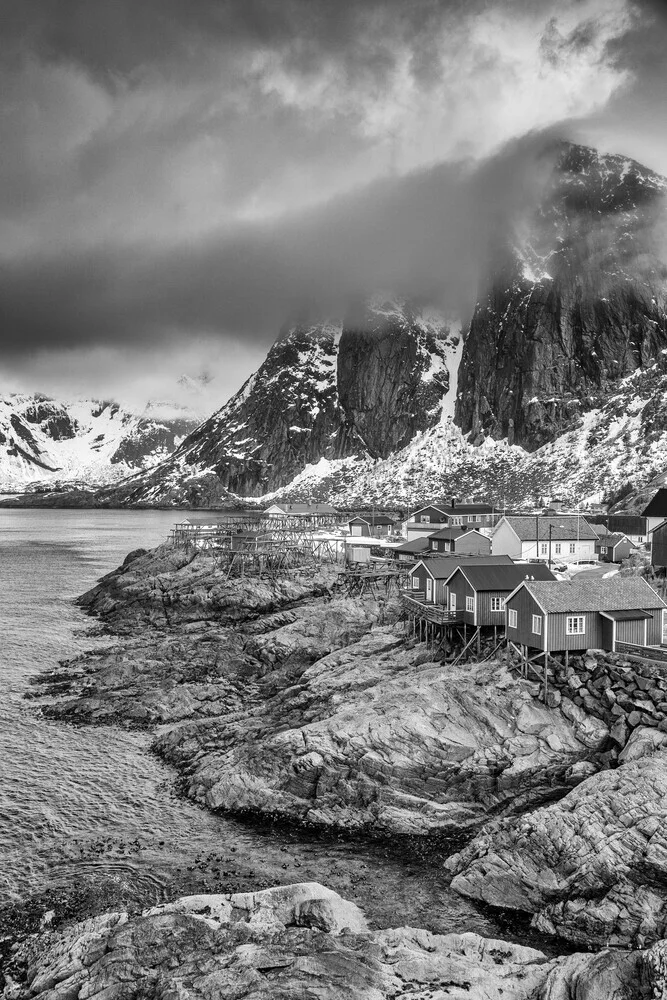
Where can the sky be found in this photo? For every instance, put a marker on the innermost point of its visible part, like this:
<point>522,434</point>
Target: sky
<point>179,177</point>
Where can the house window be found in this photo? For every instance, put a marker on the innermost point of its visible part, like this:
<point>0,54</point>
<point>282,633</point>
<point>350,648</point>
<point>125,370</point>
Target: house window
<point>470,604</point>
<point>415,582</point>
<point>557,548</point>
<point>426,518</point>
<point>457,520</point>
<point>543,548</point>
<point>497,604</point>
<point>537,625</point>
<point>511,618</point>
<point>575,625</point>
<point>573,548</point>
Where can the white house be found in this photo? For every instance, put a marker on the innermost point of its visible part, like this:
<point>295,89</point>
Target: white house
<point>561,538</point>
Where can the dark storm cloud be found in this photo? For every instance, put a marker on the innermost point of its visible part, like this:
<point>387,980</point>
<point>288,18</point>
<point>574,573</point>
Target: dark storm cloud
<point>425,235</point>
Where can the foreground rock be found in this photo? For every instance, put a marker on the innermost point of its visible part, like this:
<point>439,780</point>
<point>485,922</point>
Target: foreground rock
<point>303,941</point>
<point>592,867</point>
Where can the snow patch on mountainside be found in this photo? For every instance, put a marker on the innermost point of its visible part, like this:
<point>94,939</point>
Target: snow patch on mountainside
<point>46,440</point>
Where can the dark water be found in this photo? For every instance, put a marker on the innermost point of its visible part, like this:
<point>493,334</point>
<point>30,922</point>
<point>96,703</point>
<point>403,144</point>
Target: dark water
<point>82,804</point>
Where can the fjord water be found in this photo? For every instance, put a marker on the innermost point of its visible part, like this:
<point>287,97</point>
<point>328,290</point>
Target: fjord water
<point>82,804</point>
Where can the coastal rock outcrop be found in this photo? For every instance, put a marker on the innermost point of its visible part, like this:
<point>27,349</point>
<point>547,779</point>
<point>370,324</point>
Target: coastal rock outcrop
<point>302,940</point>
<point>591,867</point>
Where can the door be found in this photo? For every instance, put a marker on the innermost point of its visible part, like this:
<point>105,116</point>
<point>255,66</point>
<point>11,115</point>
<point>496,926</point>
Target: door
<point>452,601</point>
<point>664,628</point>
<point>429,588</point>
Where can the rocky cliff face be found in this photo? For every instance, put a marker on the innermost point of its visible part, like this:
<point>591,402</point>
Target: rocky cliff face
<point>44,439</point>
<point>327,391</point>
<point>576,304</point>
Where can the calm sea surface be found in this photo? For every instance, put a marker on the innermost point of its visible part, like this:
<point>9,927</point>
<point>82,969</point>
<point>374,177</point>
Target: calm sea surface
<point>92,803</point>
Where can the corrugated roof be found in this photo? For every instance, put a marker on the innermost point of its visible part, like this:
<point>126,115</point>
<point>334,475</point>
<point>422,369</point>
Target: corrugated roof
<point>624,593</point>
<point>415,545</point>
<point>443,567</point>
<point>613,539</point>
<point>372,519</point>
<point>626,616</point>
<point>657,507</point>
<point>566,527</point>
<point>505,577</point>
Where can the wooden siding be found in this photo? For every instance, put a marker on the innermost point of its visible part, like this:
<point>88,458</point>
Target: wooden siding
<point>557,637</point>
<point>630,631</point>
<point>506,542</point>
<point>485,616</point>
<point>659,547</point>
<point>460,586</point>
<point>473,543</point>
<point>525,606</point>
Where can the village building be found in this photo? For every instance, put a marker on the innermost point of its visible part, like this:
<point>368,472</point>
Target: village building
<point>614,547</point>
<point>449,515</point>
<point>655,511</point>
<point>461,540</point>
<point>478,592</point>
<point>413,550</point>
<point>371,525</point>
<point>659,546</point>
<point>428,577</point>
<point>632,525</point>
<point>575,615</point>
<point>562,538</point>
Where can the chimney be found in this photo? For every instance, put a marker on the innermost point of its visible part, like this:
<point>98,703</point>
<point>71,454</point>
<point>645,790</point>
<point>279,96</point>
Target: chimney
<point>453,502</point>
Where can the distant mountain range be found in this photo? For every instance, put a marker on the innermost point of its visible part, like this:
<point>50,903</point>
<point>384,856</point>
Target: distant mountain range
<point>556,384</point>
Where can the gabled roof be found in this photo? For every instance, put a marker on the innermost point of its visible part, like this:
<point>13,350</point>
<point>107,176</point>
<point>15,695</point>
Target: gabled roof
<point>504,577</point>
<point>612,540</point>
<point>443,567</point>
<point>448,533</point>
<point>415,545</point>
<point>625,593</point>
<point>566,527</point>
<point>657,507</point>
<point>372,519</point>
<point>463,508</point>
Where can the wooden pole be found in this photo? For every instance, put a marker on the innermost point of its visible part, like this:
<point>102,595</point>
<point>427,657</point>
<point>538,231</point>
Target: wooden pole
<point>479,641</point>
<point>546,681</point>
<point>567,657</point>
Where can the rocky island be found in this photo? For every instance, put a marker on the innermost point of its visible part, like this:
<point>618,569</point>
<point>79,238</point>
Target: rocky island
<point>285,700</point>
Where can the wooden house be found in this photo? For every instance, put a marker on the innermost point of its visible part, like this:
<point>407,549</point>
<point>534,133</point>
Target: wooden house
<point>655,511</point>
<point>563,538</point>
<point>461,540</point>
<point>413,550</point>
<point>659,546</point>
<point>449,515</point>
<point>478,592</point>
<point>613,547</point>
<point>584,614</point>
<point>429,576</point>
<point>370,525</point>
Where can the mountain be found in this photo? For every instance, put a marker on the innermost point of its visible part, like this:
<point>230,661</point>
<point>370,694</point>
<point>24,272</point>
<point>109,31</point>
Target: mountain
<point>557,383</point>
<point>326,391</point>
<point>49,440</point>
<point>575,302</point>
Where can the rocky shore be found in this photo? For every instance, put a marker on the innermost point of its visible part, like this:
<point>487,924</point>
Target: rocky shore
<point>286,699</point>
<point>304,940</point>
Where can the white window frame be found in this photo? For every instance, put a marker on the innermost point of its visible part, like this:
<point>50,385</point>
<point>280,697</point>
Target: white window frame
<point>415,582</point>
<point>457,520</point>
<point>470,604</point>
<point>425,518</point>
<point>575,625</point>
<point>511,618</point>
<point>537,624</point>
<point>497,604</point>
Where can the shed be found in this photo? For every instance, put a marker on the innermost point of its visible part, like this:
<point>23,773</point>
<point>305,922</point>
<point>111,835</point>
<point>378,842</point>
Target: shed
<point>367,525</point>
<point>614,547</point>
<point>659,546</point>
<point>584,614</point>
<point>412,550</point>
